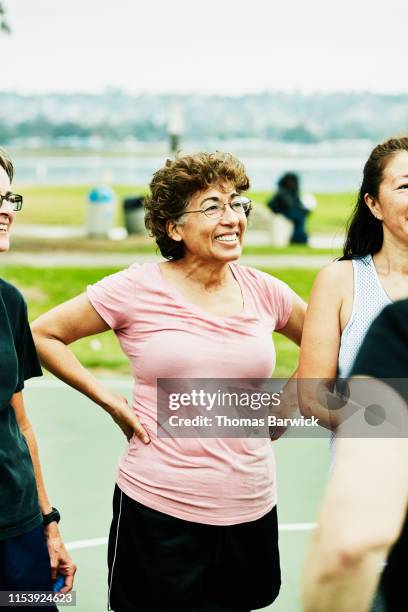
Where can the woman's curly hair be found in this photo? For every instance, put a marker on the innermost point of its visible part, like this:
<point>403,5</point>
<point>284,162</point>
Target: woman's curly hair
<point>173,186</point>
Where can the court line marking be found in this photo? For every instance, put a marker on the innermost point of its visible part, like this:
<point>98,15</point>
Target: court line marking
<point>86,543</point>
<point>297,526</point>
<point>103,541</point>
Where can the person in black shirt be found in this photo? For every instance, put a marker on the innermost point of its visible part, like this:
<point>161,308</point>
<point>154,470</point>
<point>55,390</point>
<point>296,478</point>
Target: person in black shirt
<point>363,519</point>
<point>32,552</point>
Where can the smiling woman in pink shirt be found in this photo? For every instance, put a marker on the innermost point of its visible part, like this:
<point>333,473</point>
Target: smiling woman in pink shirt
<point>194,525</point>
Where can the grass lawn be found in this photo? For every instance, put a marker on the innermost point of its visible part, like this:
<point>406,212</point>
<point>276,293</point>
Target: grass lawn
<point>331,213</point>
<point>66,205</point>
<point>47,287</point>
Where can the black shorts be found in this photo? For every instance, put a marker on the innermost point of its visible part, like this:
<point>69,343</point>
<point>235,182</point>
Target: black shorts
<point>159,563</point>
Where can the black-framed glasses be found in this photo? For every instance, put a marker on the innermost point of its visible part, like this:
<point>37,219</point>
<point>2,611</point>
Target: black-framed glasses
<point>14,199</point>
<point>241,205</point>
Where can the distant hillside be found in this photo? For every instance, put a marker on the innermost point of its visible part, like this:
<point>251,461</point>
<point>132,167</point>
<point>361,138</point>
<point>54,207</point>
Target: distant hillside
<point>53,119</point>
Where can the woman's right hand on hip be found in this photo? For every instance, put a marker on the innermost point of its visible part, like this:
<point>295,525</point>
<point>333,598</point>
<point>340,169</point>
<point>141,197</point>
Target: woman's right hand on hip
<point>127,420</point>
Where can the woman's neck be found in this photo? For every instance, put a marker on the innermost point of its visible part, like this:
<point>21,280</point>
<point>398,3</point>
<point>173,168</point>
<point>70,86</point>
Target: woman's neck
<point>392,257</point>
<point>209,276</point>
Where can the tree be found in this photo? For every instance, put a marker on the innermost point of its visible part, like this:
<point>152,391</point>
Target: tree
<point>299,133</point>
<point>4,26</point>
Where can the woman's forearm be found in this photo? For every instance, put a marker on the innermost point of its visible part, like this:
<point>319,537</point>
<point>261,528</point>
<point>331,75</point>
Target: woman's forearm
<point>349,585</point>
<point>26,429</point>
<point>60,560</point>
<point>61,361</point>
<point>54,331</point>
<point>43,498</point>
<point>321,399</point>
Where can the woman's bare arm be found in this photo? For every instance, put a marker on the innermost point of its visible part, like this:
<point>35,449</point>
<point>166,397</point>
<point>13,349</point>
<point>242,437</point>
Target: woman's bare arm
<point>294,327</point>
<point>321,340</point>
<point>54,331</point>
<point>361,516</point>
<point>60,560</point>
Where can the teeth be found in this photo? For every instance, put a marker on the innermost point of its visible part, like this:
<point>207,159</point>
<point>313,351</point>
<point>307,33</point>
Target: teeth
<point>3,227</point>
<point>227,238</point>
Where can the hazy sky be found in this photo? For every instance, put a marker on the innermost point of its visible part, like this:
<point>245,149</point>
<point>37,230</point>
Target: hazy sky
<point>210,46</point>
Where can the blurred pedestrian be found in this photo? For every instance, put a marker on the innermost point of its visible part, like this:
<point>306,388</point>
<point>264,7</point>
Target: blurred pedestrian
<point>287,202</point>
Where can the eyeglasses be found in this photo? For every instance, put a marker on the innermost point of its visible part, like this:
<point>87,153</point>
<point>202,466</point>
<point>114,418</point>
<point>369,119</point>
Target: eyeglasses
<point>240,205</point>
<point>14,199</point>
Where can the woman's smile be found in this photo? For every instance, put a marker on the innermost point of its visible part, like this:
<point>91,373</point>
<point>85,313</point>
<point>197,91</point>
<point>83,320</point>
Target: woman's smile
<point>228,238</point>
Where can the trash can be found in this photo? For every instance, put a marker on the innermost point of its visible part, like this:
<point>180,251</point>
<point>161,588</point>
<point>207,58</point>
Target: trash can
<point>133,211</point>
<point>101,212</point>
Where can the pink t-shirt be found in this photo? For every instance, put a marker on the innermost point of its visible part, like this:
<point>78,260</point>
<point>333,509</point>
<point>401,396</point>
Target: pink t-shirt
<point>216,481</point>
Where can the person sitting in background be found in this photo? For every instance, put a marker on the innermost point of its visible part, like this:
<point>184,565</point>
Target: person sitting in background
<point>32,552</point>
<point>287,202</point>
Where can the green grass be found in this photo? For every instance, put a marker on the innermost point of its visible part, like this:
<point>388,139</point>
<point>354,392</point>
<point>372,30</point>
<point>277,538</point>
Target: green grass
<point>331,213</point>
<point>287,353</point>
<point>66,205</point>
<point>47,287</point>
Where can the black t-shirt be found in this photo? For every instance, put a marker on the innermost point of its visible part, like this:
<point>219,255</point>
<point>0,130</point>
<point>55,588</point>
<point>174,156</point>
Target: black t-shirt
<point>384,354</point>
<point>284,201</point>
<point>19,508</point>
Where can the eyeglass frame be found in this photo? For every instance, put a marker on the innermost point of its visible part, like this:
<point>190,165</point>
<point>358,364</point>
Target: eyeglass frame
<point>16,204</point>
<point>224,206</point>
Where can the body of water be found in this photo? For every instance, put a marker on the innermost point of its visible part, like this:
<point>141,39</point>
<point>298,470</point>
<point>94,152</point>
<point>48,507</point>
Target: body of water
<point>319,173</point>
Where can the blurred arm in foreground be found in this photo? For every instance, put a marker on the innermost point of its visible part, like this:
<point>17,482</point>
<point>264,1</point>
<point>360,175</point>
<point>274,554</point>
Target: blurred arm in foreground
<point>362,516</point>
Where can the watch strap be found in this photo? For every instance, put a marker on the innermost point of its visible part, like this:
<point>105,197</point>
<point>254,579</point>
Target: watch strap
<point>52,516</point>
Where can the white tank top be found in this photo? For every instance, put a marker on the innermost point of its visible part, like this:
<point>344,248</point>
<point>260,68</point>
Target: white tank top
<point>369,300</point>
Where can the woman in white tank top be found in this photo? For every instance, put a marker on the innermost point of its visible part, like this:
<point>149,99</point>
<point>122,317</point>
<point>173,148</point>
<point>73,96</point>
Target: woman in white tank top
<point>348,294</point>
<point>346,298</point>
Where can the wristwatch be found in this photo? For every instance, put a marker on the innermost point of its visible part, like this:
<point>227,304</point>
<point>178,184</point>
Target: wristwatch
<point>52,516</point>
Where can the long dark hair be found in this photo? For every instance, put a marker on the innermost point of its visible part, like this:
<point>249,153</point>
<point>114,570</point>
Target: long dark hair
<point>364,233</point>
